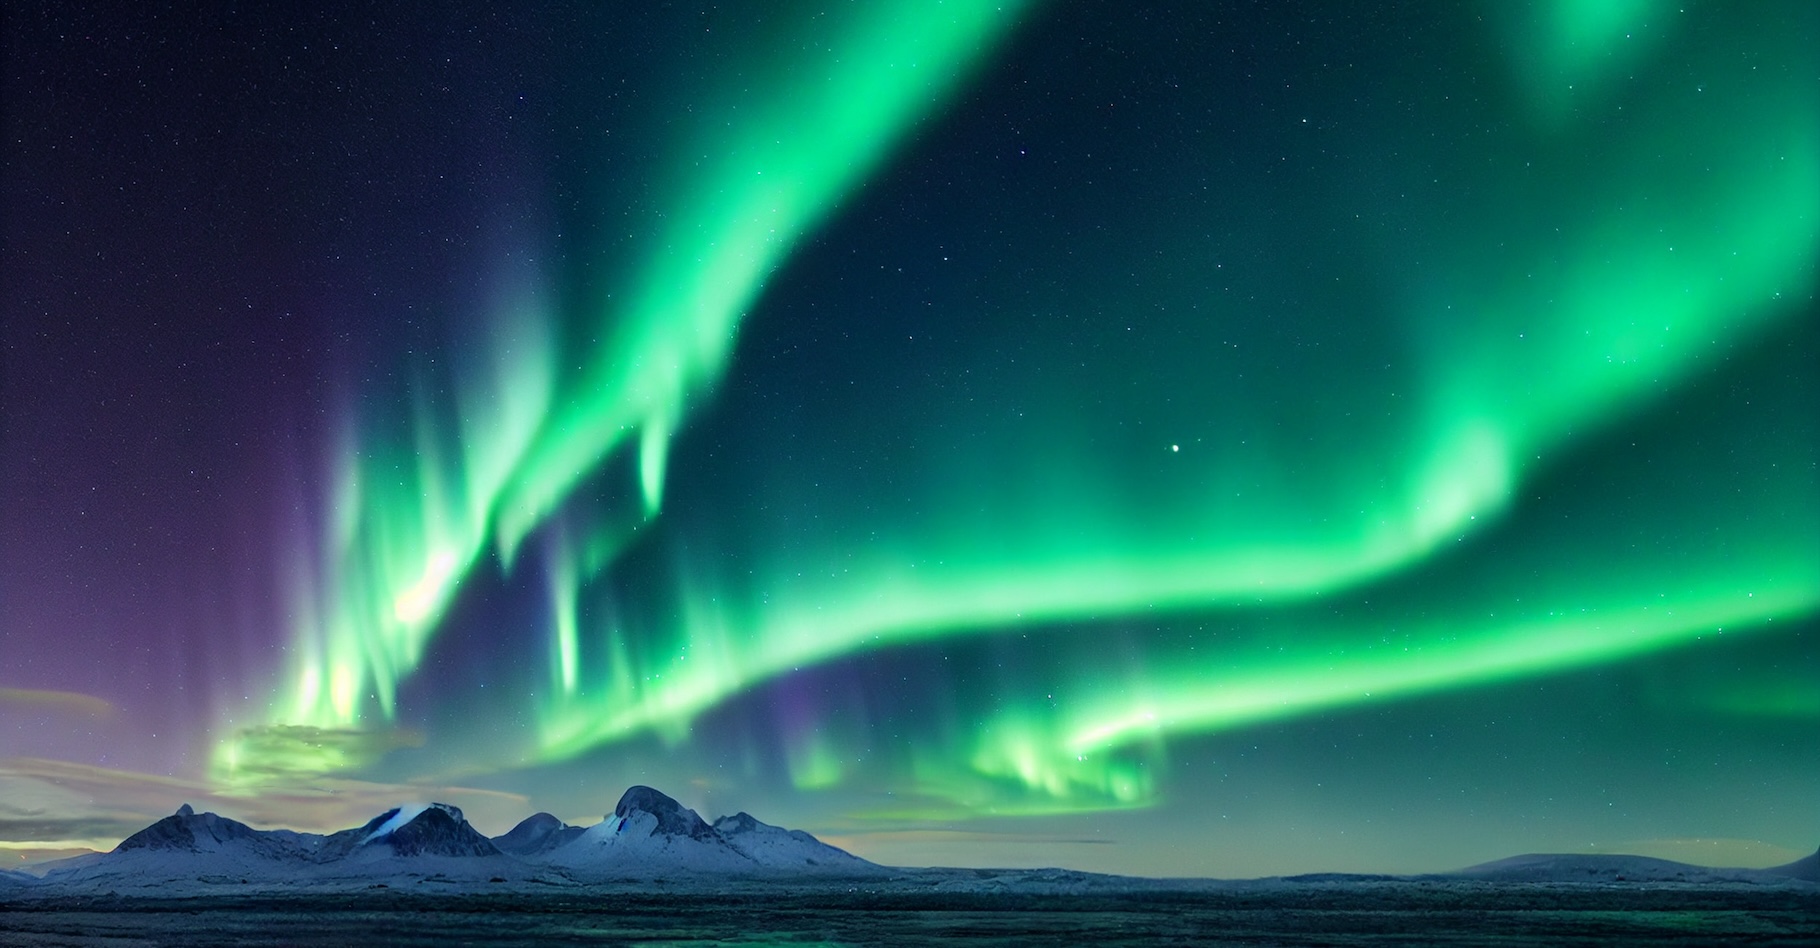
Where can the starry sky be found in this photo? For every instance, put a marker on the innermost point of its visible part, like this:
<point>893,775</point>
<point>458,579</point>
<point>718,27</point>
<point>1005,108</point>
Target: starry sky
<point>1204,439</point>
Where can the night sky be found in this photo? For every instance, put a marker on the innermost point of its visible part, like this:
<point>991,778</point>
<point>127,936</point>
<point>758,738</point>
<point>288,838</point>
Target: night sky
<point>1212,438</point>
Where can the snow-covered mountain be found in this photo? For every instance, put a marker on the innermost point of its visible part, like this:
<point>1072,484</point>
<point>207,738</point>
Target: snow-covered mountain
<point>649,833</point>
<point>436,829</point>
<point>191,832</point>
<point>777,848</point>
<point>189,848</point>
<point>187,844</point>
<point>651,837</point>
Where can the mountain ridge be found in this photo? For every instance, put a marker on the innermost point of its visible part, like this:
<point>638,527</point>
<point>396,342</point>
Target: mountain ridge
<point>651,839</point>
<point>1616,867</point>
<point>1807,868</point>
<point>648,835</point>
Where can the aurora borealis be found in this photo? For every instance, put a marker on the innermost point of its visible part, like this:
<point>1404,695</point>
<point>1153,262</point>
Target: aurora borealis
<point>1203,440</point>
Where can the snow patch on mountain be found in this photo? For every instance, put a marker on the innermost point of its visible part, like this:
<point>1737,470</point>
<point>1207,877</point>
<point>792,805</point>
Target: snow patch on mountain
<point>650,834</point>
<point>434,829</point>
<point>438,830</point>
<point>635,841</point>
<point>395,820</point>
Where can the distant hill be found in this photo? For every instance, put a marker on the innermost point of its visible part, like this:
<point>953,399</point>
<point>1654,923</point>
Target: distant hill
<point>1583,868</point>
<point>1806,869</point>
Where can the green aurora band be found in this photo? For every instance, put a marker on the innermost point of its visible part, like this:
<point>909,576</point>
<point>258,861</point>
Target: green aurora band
<point>1629,258</point>
<point>408,526</point>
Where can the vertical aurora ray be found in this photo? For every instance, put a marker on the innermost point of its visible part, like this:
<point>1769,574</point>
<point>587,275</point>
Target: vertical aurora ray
<point>410,522</point>
<point>772,170</point>
<point>564,633</point>
<point>404,526</point>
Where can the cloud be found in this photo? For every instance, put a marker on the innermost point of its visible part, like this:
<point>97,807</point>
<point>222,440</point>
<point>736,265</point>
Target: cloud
<point>50,809</point>
<point>49,829</point>
<point>291,752</point>
<point>67,702</point>
<point>85,777</point>
<point>99,806</point>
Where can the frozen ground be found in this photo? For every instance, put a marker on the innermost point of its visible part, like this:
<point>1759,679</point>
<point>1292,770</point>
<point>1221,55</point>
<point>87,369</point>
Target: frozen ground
<point>1319,913</point>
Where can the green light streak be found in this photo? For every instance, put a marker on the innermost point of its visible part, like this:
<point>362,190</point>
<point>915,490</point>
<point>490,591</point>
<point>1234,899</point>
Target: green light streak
<point>410,526</point>
<point>407,527</point>
<point>1067,760</point>
<point>1639,300</point>
<point>1209,702</point>
<point>1020,749</point>
<point>1646,288</point>
<point>564,582</point>
<point>815,763</point>
<point>1682,233</point>
<point>721,656</point>
<point>779,170</point>
<point>1080,756</point>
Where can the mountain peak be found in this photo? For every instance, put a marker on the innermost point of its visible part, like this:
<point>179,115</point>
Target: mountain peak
<point>537,833</point>
<point>649,834</point>
<point>189,831</point>
<point>537,824</point>
<point>673,819</point>
<point>436,829</point>
<point>777,848</point>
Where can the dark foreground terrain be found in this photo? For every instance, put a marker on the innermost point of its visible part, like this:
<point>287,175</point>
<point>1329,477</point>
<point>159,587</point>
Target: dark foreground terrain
<point>1285,913</point>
